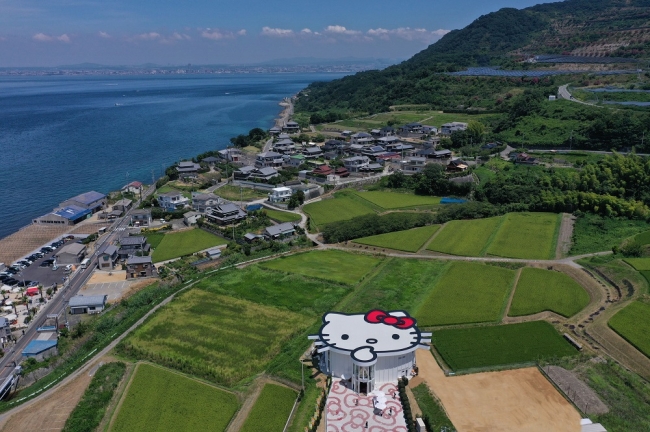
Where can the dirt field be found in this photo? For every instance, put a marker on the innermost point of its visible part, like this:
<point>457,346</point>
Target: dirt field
<point>520,400</point>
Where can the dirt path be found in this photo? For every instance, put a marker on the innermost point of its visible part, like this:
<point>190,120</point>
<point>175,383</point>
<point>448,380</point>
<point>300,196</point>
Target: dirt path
<point>565,236</point>
<point>428,242</point>
<point>520,400</point>
<point>504,316</point>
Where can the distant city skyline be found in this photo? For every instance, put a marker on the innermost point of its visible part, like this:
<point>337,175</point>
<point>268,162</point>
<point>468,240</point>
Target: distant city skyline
<point>119,32</point>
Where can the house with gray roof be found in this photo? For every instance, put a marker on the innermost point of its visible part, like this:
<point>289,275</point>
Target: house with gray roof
<point>291,127</point>
<point>93,201</point>
<point>107,257</point>
<point>141,217</point>
<point>263,174</point>
<point>172,201</point>
<point>132,245</point>
<point>268,159</point>
<point>225,213</point>
<point>203,201</point>
<point>72,253</point>
<point>280,231</point>
<point>139,267</point>
<point>81,304</point>
<point>355,163</point>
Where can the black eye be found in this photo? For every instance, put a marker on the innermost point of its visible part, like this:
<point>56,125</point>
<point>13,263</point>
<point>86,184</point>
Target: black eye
<point>395,336</point>
<point>345,337</point>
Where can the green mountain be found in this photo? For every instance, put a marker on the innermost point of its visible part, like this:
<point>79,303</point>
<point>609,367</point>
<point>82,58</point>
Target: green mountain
<point>588,28</point>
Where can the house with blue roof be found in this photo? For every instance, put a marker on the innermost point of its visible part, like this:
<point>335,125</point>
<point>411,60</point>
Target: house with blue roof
<point>68,215</point>
<point>41,349</point>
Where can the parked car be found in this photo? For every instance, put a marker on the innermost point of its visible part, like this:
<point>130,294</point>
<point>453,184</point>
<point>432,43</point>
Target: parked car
<point>26,283</point>
<point>11,281</point>
<point>46,249</point>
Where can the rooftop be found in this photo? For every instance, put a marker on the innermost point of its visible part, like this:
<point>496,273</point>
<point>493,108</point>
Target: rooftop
<point>133,240</point>
<point>82,300</point>
<point>88,197</point>
<point>38,346</point>
<point>72,248</point>
<point>72,212</point>
<point>108,249</point>
<point>139,260</point>
<point>274,230</point>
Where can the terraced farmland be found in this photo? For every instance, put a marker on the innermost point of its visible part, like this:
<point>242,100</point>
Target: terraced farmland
<point>527,236</point>
<point>394,200</point>
<point>409,241</point>
<point>336,209</point>
<point>465,237</point>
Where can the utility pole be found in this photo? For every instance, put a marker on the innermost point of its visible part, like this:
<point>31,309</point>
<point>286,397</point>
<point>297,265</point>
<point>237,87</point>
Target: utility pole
<point>571,141</point>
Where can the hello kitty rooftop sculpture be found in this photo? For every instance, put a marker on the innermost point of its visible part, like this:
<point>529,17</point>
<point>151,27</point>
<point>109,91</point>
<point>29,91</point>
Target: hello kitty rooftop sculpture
<point>371,336</point>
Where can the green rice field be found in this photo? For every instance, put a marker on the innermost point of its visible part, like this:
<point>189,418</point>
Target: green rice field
<point>640,264</point>
<point>154,238</point>
<point>541,290</point>
<point>526,236</point>
<point>159,400</point>
<point>467,293</point>
<point>335,265</point>
<point>400,284</point>
<point>633,325</point>
<point>502,345</point>
<point>395,200</point>
<point>409,241</point>
<point>271,410</point>
<point>293,292</point>
<point>335,209</point>
<point>465,237</point>
<point>175,245</point>
<point>282,216</point>
<point>218,338</point>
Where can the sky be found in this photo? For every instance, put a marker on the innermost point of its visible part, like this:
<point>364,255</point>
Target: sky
<point>173,32</point>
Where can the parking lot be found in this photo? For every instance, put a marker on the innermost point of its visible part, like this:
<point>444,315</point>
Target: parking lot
<point>113,284</point>
<point>43,275</point>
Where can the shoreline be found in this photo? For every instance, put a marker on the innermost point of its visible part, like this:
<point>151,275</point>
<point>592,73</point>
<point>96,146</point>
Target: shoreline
<point>286,112</point>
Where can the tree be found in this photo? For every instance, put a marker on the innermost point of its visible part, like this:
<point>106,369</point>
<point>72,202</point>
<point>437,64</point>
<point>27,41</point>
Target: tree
<point>476,131</point>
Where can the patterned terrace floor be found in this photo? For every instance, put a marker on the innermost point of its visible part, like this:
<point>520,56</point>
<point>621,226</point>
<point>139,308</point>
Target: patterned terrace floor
<point>344,415</point>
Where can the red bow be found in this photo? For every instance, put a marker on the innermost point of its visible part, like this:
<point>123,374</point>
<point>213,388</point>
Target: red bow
<point>379,316</point>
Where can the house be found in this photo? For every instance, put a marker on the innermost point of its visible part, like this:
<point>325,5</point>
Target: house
<point>187,169</point>
<point>172,201</point>
<point>355,163</point>
<point>312,152</point>
<point>411,128</point>
<point>190,218</point>
<point>230,154</point>
<point>263,174</point>
<point>93,201</point>
<point>213,253</point>
<point>375,133</point>
<point>251,237</point>
<point>346,133</point>
<point>405,149</point>
<point>203,201</point>
<point>132,245</point>
<point>244,172</point>
<point>373,151</point>
<point>139,267</point>
<point>323,171</point>
<point>523,158</point>
<point>68,215</point>
<point>429,129</point>
<point>361,138</point>
<point>285,146</point>
<point>414,164</point>
<point>135,187</point>
<point>225,213</point>
<point>275,130</point>
<point>342,172</point>
<point>40,349</point>
<point>280,194</point>
<point>268,159</point>
<point>291,127</point>
<point>457,165</point>
<point>107,257</point>
<point>449,128</point>
<point>387,131</point>
<point>5,329</point>
<point>280,231</point>
<point>373,167</point>
<point>337,146</point>
<point>141,217</point>
<point>210,160</point>
<point>72,253</point>
<point>441,154</point>
<point>296,160</point>
<point>81,304</point>
<point>387,157</point>
<point>387,140</point>
<point>356,149</point>
<point>123,205</point>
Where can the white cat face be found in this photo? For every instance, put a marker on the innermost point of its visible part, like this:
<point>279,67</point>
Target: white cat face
<point>366,335</point>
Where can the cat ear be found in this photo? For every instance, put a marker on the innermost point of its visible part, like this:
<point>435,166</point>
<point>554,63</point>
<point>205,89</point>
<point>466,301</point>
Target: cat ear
<point>331,316</point>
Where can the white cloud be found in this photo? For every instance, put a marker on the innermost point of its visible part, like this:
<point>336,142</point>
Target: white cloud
<point>180,36</point>
<point>337,29</point>
<point>148,36</point>
<point>64,38</point>
<point>407,33</point>
<point>104,35</point>
<point>42,37</point>
<point>277,32</point>
<point>216,34</point>
<point>306,31</point>
<point>241,32</point>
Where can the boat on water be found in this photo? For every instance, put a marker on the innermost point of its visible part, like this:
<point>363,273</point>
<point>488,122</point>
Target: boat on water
<point>118,104</point>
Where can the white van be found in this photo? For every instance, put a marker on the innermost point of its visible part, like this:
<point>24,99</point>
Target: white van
<point>85,262</point>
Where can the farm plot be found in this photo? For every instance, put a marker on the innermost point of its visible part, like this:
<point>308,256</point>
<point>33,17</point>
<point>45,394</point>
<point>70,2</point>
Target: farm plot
<point>409,240</point>
<point>640,264</point>
<point>394,200</point>
<point>335,265</point>
<point>282,216</point>
<point>633,325</point>
<point>541,290</point>
<point>154,238</point>
<point>161,400</point>
<point>218,338</point>
<point>271,410</point>
<point>467,293</point>
<point>465,237</point>
<point>400,284</point>
<point>483,347</point>
<point>272,288</point>
<point>175,245</point>
<point>526,236</point>
<point>336,209</point>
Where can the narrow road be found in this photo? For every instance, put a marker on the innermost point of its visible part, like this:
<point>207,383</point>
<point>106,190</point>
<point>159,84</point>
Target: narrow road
<point>563,91</point>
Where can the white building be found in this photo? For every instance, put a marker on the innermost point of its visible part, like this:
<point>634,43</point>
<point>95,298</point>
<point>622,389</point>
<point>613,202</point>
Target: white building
<point>369,349</point>
<point>280,194</point>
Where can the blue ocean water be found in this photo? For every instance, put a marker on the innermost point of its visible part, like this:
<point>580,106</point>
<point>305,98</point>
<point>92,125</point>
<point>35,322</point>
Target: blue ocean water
<point>60,136</point>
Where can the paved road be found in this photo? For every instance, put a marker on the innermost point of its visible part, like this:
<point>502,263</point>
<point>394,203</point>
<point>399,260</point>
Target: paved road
<point>563,91</point>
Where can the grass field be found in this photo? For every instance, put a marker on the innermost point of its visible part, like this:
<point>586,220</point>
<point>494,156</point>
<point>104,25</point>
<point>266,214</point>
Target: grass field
<point>154,238</point>
<point>168,188</point>
<point>282,216</point>
<point>175,245</point>
<point>640,264</point>
<point>159,400</point>
<point>467,293</point>
<point>433,118</point>
<point>409,241</point>
<point>465,237</point>
<point>394,200</point>
<point>400,284</point>
<point>481,347</point>
<point>527,236</point>
<point>272,288</point>
<point>271,410</point>
<point>335,265</point>
<point>593,233</point>
<point>218,338</point>
<point>431,409</point>
<point>643,238</point>
<point>234,193</point>
<point>633,325</point>
<point>336,209</point>
<point>541,290</point>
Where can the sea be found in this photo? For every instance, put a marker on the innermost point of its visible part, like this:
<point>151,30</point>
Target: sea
<point>64,135</point>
